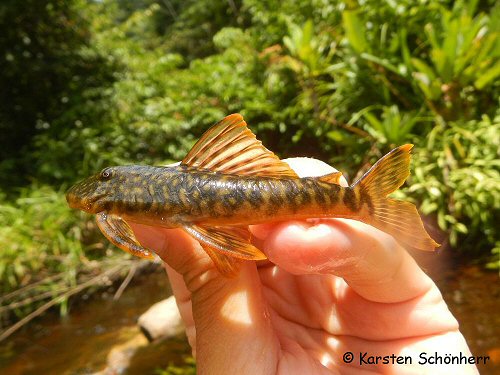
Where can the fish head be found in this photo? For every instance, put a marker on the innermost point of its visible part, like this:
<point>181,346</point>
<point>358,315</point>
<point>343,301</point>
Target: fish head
<point>95,193</point>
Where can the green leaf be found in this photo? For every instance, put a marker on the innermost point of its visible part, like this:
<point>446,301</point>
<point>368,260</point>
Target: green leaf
<point>421,66</point>
<point>383,62</point>
<point>355,30</point>
<point>488,76</point>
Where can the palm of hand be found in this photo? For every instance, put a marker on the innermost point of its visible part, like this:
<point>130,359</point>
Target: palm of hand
<point>319,318</point>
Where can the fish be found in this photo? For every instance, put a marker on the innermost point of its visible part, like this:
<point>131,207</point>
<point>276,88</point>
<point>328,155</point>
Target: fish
<point>228,181</point>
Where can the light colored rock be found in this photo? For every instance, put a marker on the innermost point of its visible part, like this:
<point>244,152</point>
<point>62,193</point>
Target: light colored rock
<point>162,320</point>
<point>119,357</point>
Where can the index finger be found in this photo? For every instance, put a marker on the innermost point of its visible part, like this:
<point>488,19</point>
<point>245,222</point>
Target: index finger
<point>370,261</point>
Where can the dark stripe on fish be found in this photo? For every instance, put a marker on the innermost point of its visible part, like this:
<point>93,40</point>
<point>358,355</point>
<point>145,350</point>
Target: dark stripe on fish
<point>350,199</point>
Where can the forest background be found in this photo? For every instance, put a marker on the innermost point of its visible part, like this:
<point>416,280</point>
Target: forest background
<point>88,84</point>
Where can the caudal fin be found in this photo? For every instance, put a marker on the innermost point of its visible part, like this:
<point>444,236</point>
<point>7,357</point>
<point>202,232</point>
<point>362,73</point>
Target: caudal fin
<point>399,219</point>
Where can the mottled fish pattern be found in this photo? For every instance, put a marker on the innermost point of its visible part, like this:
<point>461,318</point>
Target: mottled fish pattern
<point>229,181</point>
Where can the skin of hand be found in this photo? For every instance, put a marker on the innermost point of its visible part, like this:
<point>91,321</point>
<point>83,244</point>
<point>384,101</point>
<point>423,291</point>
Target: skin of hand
<point>330,287</point>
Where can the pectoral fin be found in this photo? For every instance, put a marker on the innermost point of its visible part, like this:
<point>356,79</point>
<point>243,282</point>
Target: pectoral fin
<point>118,232</point>
<point>230,241</point>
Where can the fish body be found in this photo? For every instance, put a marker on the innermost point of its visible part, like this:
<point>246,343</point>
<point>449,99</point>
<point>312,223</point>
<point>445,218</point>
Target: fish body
<point>229,181</point>
<point>172,196</point>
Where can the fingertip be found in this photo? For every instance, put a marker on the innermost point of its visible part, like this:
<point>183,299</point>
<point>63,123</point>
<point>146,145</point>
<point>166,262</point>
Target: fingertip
<point>303,247</point>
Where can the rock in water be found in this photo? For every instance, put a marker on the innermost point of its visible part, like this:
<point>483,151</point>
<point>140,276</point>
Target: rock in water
<point>162,320</point>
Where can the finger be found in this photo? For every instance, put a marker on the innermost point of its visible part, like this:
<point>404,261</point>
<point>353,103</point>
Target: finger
<point>183,299</point>
<point>173,246</point>
<point>370,261</point>
<point>229,314</point>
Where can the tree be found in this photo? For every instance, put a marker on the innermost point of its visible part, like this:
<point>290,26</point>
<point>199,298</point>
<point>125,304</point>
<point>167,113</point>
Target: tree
<point>46,65</point>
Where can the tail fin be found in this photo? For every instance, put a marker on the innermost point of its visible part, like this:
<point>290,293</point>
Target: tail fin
<point>400,219</point>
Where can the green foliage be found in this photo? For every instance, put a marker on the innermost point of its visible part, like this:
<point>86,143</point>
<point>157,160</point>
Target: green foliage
<point>463,56</point>
<point>187,368</point>
<point>48,69</point>
<point>456,178</point>
<point>39,235</point>
<point>429,54</point>
<point>196,23</point>
<point>154,110</point>
<point>394,128</point>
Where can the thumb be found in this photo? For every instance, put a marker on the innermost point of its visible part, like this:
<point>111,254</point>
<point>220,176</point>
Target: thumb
<point>225,317</point>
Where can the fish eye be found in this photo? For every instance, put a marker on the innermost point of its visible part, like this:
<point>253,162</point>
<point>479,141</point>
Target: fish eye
<point>106,173</point>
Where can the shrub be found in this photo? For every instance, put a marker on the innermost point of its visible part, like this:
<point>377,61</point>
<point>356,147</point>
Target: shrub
<point>456,178</point>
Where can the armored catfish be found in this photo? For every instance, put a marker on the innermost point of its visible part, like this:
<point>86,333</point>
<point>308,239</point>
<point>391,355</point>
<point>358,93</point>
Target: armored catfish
<point>228,181</point>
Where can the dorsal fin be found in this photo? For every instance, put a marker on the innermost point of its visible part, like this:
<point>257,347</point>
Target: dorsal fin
<point>230,147</point>
<point>331,178</point>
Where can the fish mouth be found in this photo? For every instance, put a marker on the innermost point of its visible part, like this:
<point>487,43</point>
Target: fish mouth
<point>87,204</point>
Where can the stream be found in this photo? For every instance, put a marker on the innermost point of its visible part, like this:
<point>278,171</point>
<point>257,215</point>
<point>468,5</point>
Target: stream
<point>81,342</point>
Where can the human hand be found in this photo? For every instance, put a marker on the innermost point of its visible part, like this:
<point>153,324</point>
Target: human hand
<point>331,287</point>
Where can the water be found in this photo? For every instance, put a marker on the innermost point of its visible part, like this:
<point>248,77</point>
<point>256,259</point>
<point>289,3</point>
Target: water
<point>80,343</point>
<point>473,296</point>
